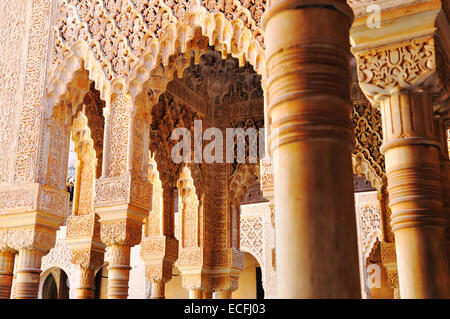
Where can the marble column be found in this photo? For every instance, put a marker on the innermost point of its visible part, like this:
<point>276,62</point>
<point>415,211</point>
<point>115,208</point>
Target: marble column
<point>6,273</point>
<point>310,141</point>
<point>118,271</point>
<point>441,135</point>
<point>415,194</point>
<point>28,274</point>
<point>86,288</point>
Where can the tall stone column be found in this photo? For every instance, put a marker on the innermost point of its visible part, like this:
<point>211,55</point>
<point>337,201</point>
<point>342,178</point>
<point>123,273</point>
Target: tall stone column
<point>401,72</point>
<point>444,161</point>
<point>207,295</point>
<point>309,107</point>
<point>403,87</point>
<point>123,195</point>
<point>6,273</point>
<point>193,261</point>
<point>28,273</point>
<point>118,271</point>
<point>159,247</point>
<point>414,185</point>
<point>86,288</point>
<point>158,290</point>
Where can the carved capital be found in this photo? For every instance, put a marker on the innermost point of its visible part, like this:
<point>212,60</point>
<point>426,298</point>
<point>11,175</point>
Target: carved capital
<point>124,231</point>
<point>159,254</point>
<point>159,271</point>
<point>31,237</point>
<point>225,282</point>
<point>87,258</point>
<point>196,281</point>
<point>403,66</point>
<point>157,247</point>
<point>83,226</point>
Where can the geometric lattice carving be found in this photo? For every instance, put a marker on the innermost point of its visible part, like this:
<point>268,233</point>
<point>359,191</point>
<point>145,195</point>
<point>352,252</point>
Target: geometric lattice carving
<point>370,228</point>
<point>252,236</point>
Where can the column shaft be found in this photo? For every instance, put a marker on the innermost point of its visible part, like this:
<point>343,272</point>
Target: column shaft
<point>309,108</point>
<point>158,290</point>
<point>28,274</point>
<point>118,271</point>
<point>87,286</point>
<point>6,273</point>
<point>207,295</point>
<point>415,195</point>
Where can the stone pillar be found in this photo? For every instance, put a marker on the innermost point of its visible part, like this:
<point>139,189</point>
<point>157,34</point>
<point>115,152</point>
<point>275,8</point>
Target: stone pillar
<point>398,71</point>
<point>309,110</point>
<point>441,136</point>
<point>6,273</point>
<point>123,195</point>
<point>118,271</point>
<point>193,261</point>
<point>414,186</point>
<point>87,285</point>
<point>412,160</point>
<point>159,247</point>
<point>28,274</point>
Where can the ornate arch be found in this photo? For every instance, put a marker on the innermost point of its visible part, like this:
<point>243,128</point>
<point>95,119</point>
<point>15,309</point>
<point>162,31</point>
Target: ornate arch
<point>362,167</point>
<point>121,46</point>
<point>252,232</point>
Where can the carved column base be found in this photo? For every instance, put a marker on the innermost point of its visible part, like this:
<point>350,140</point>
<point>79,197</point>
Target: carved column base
<point>118,272</point>
<point>28,274</point>
<point>6,273</point>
